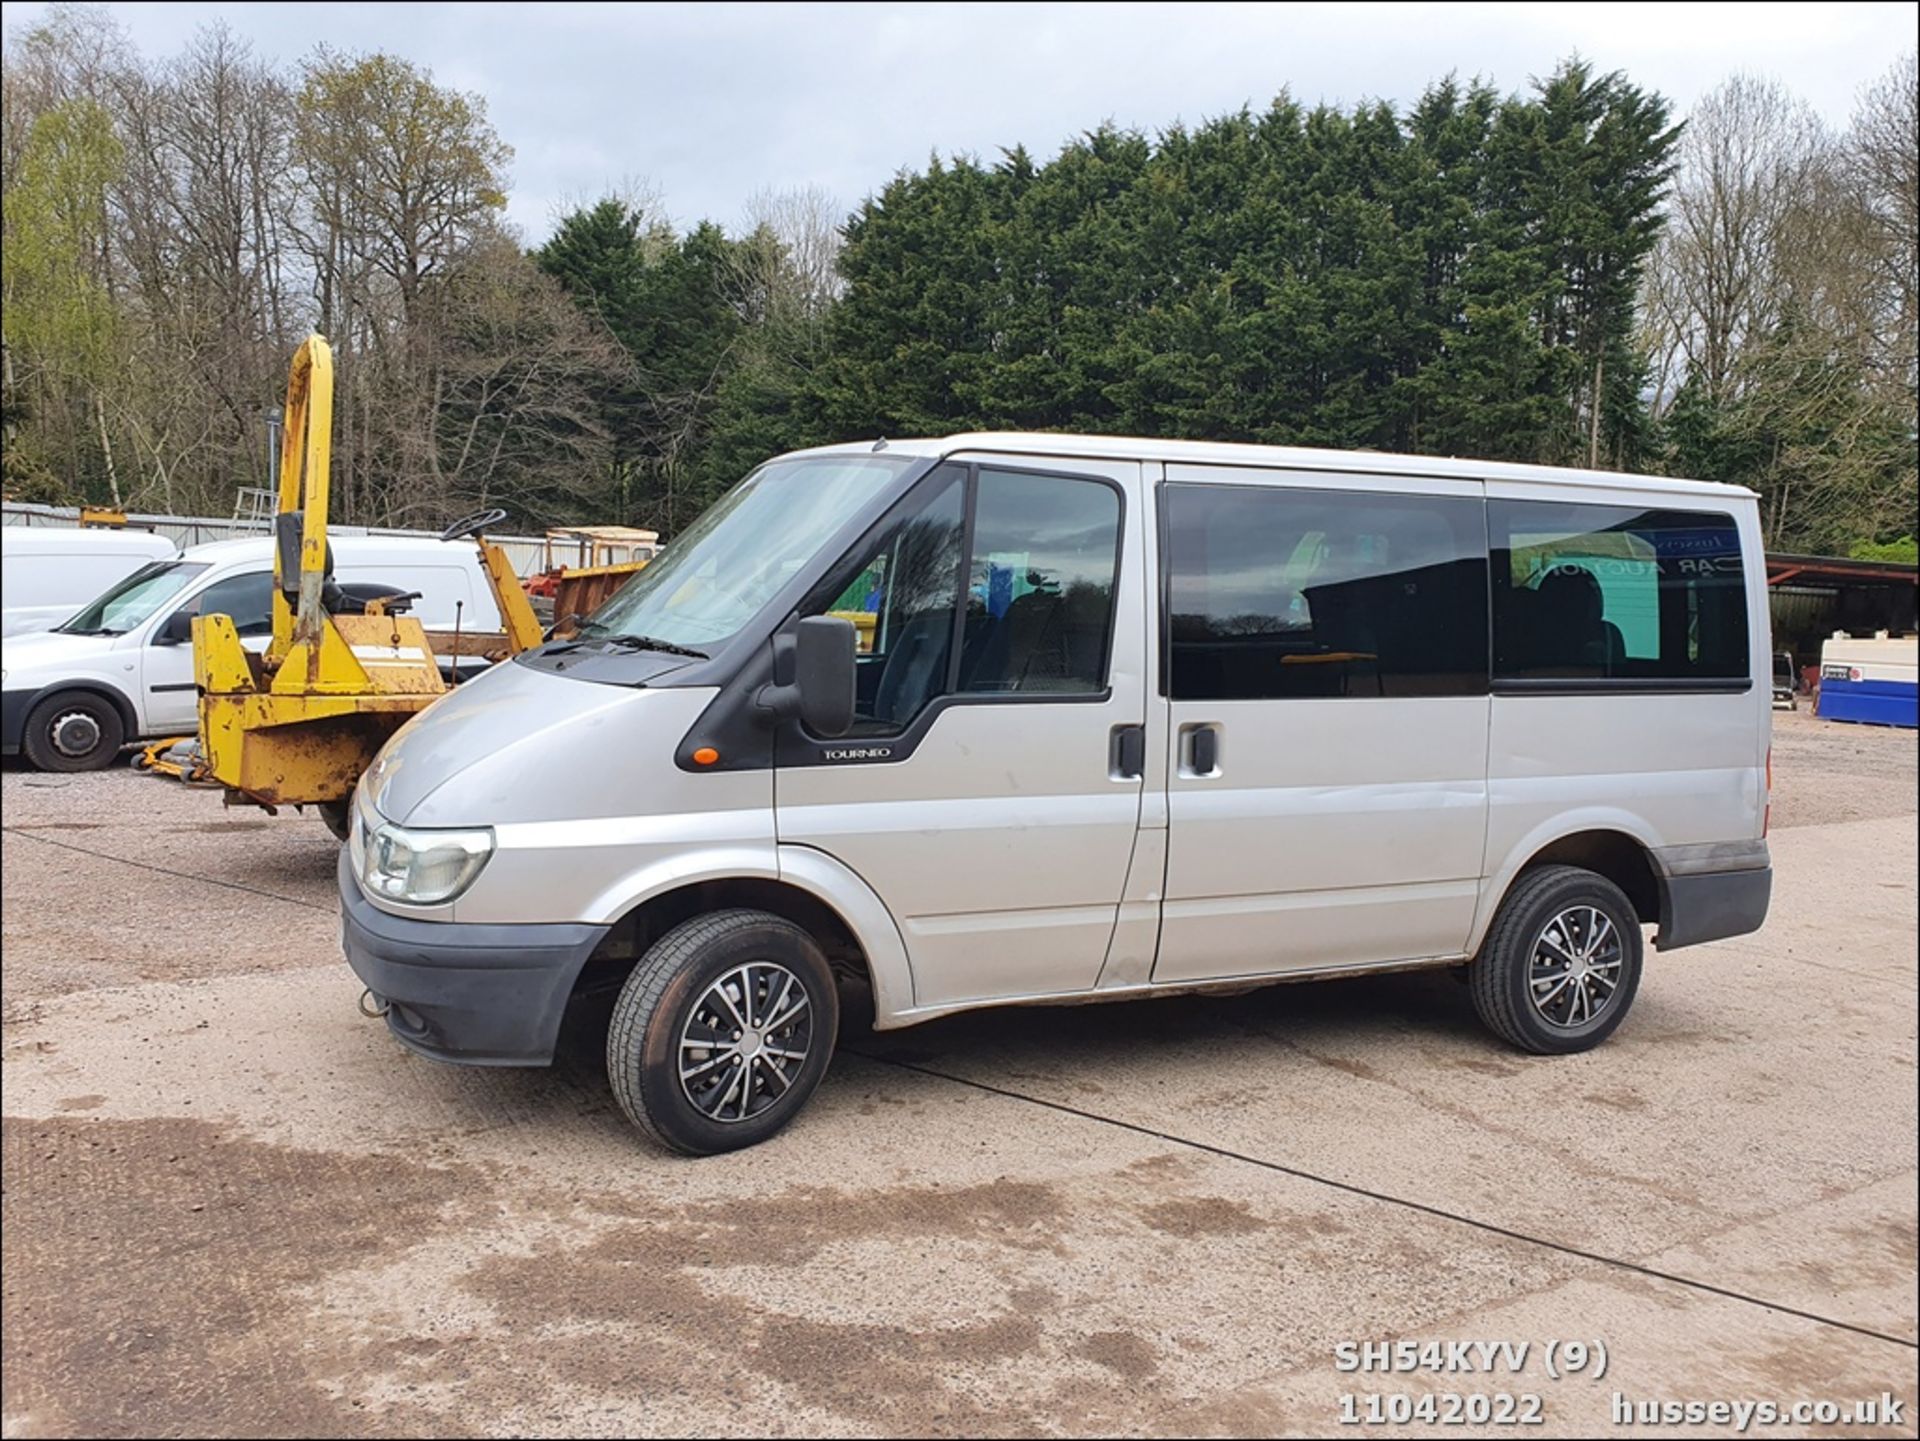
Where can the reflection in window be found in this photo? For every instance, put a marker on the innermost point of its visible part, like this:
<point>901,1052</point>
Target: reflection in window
<point>901,601</point>
<point>1040,585</point>
<point>1592,592</point>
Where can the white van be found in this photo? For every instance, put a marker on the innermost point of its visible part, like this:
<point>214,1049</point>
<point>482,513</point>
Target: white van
<point>1015,718</point>
<point>121,668</point>
<point>49,572</point>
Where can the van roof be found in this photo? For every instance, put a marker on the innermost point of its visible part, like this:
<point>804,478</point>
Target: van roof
<point>373,547</point>
<point>1277,457</point>
<point>74,539</point>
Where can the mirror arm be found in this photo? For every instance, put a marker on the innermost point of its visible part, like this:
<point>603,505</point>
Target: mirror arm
<point>781,698</point>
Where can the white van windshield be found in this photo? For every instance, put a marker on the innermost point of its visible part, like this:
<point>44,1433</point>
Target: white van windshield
<point>129,603</point>
<point>713,578</point>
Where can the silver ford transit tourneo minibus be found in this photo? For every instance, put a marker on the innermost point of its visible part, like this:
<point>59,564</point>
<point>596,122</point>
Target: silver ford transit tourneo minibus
<point>1005,718</point>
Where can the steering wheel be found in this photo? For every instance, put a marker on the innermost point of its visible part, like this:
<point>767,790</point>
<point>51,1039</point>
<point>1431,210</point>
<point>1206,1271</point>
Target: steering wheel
<point>480,520</point>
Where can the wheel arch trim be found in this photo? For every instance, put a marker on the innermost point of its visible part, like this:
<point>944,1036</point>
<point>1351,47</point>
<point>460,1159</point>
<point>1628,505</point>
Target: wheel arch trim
<point>1561,827</point>
<point>842,890</point>
<point>99,689</point>
<point>813,873</point>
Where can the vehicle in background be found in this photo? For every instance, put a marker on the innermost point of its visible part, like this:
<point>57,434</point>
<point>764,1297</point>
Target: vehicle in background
<point>48,572</point>
<point>121,668</point>
<point>1131,718</point>
<point>1870,680</point>
<point>297,722</point>
<point>1785,696</point>
<point>584,564</point>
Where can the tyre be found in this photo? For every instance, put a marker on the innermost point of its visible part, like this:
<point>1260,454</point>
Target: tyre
<point>74,731</point>
<point>337,816</point>
<point>722,1031</point>
<point>1561,963</point>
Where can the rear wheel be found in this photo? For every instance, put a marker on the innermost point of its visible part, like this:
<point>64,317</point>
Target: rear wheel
<point>76,731</point>
<point>1561,963</point>
<point>722,1031</point>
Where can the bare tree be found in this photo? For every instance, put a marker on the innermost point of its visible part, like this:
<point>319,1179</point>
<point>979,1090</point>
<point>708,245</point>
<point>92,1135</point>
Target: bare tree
<point>1749,154</point>
<point>1883,162</point>
<point>805,223</point>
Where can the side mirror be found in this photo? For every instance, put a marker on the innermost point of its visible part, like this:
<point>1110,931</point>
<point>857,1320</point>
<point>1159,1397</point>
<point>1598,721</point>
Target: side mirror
<point>176,629</point>
<point>813,675</point>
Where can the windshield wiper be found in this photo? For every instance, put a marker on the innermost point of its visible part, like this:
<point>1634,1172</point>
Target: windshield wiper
<point>590,631</point>
<point>91,630</point>
<point>648,642</point>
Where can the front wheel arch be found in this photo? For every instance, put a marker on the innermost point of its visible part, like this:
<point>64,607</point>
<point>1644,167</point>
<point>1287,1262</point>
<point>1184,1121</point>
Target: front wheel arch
<point>635,931</point>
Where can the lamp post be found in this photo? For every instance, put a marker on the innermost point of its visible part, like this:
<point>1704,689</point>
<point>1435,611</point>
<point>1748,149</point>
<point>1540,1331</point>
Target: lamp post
<point>275,420</point>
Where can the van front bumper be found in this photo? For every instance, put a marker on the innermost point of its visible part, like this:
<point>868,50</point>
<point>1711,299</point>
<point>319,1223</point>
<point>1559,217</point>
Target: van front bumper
<point>14,705</point>
<point>1711,892</point>
<point>479,995</point>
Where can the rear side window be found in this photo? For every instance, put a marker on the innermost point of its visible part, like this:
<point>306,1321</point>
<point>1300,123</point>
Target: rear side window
<point>1610,593</point>
<point>1276,593</point>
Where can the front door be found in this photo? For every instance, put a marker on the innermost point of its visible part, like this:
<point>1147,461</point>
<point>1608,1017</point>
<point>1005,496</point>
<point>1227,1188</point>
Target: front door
<point>1328,693</point>
<point>169,703</point>
<point>990,789</point>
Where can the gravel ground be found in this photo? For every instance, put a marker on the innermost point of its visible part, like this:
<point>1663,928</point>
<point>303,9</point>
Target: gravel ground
<point>233,1207</point>
<point>1826,771</point>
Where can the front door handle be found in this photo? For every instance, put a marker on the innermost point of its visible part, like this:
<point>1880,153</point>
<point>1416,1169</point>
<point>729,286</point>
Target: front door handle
<point>1203,750</point>
<point>1127,753</point>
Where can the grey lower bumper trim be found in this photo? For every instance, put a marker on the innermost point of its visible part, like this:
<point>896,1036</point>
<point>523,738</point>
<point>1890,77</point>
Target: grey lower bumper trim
<point>1712,857</point>
<point>482,995</point>
<point>1712,905</point>
<point>14,705</point>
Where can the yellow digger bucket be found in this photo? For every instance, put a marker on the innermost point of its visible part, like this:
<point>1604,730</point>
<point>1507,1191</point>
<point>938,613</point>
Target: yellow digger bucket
<point>281,740</point>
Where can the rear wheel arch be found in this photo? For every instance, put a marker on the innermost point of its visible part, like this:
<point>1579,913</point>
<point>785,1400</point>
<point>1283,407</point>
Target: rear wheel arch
<point>1614,854</point>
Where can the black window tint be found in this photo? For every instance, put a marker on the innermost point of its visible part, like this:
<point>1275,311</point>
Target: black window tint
<point>248,599</point>
<point>1298,593</point>
<point>1040,585</point>
<point>1594,592</point>
<point>901,600</point>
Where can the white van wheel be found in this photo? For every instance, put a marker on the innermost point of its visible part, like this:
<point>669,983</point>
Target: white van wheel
<point>722,1031</point>
<point>1561,964</point>
<point>75,731</point>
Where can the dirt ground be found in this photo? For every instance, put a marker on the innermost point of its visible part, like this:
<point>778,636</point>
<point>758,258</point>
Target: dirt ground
<point>232,1206</point>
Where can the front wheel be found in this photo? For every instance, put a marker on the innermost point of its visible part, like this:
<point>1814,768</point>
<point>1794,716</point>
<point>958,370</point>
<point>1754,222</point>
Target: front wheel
<point>76,731</point>
<point>722,1031</point>
<point>1561,963</point>
<point>337,816</point>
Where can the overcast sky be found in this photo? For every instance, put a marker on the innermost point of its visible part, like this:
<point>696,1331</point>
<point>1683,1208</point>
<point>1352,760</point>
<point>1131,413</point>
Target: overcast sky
<point>709,103</point>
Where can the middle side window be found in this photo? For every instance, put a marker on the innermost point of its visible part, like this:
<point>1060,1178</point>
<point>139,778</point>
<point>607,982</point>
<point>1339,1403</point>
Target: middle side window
<point>1279,593</point>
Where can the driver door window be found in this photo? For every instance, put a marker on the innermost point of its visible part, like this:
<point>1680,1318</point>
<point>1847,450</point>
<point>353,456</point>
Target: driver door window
<point>1031,611</point>
<point>901,602</point>
<point>248,599</point>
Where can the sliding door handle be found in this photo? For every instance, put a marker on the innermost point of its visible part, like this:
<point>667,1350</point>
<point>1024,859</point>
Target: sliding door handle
<point>1127,753</point>
<point>1204,751</point>
<point>1200,751</point>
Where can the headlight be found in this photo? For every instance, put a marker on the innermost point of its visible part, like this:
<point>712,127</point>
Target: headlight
<point>415,867</point>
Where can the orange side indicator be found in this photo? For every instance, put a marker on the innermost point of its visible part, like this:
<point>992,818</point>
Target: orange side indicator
<point>705,756</point>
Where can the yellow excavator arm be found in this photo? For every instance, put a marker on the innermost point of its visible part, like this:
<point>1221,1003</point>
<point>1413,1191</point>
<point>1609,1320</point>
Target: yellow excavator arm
<point>300,526</point>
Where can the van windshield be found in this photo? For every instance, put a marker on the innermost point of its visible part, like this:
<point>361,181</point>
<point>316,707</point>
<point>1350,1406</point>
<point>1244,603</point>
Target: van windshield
<point>714,576</point>
<point>130,602</point>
